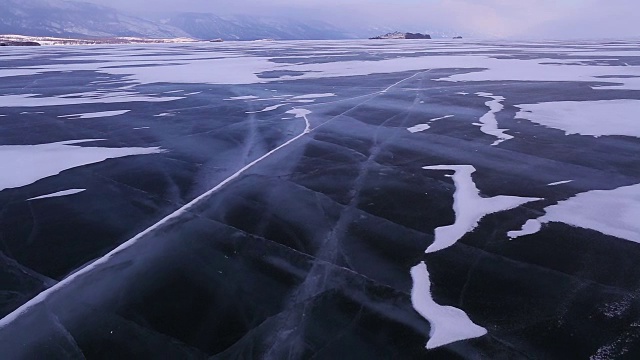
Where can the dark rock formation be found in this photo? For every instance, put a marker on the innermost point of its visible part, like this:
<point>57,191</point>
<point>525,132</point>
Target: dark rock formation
<point>19,43</point>
<point>417,36</point>
<point>399,35</point>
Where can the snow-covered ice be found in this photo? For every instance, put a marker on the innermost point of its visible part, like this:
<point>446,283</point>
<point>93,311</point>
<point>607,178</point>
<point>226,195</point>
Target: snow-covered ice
<point>611,212</point>
<point>594,118</point>
<point>448,324</point>
<point>247,97</point>
<point>58,194</point>
<point>469,206</point>
<point>314,96</point>
<point>419,128</point>
<point>25,164</point>
<point>94,115</point>
<point>488,122</point>
<point>560,183</point>
<point>268,108</point>
<point>423,127</point>
<point>36,100</point>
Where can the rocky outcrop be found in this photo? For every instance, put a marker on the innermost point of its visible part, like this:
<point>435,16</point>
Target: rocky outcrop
<point>416,36</point>
<point>399,35</point>
<point>19,43</point>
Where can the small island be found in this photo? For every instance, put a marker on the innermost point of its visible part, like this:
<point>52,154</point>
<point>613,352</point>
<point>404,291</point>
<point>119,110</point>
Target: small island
<point>400,35</point>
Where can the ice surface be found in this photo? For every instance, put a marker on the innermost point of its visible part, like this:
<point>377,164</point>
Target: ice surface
<point>58,194</point>
<point>242,68</point>
<point>488,123</point>
<point>448,324</point>
<point>299,113</point>
<point>96,114</point>
<point>468,206</point>
<point>25,164</point>
<point>611,212</point>
<point>594,118</point>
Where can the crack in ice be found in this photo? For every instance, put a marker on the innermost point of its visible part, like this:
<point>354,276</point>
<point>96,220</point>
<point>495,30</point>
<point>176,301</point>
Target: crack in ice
<point>299,113</point>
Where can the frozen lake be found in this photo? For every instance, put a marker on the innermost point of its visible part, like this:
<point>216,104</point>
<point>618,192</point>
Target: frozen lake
<point>347,199</point>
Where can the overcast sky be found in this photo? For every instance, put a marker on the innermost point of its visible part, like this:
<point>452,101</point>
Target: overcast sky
<point>485,18</point>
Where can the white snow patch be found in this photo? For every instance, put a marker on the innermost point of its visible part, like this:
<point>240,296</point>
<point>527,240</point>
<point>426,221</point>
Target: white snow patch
<point>58,194</point>
<point>248,97</point>
<point>314,96</point>
<point>611,212</point>
<point>35,100</point>
<point>299,113</point>
<point>419,128</point>
<point>531,227</point>
<point>594,118</point>
<point>26,164</point>
<point>269,108</point>
<point>96,114</point>
<point>560,183</point>
<point>488,123</point>
<point>469,207</point>
<point>448,324</point>
<point>423,127</point>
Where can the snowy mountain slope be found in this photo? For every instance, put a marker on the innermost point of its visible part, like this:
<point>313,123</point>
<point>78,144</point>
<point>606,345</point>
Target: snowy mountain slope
<point>68,18</point>
<point>62,18</point>
<point>206,26</point>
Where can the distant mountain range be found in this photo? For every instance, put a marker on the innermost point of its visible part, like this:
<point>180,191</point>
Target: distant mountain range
<point>76,19</point>
<point>81,20</point>
<point>61,18</point>
<point>208,26</point>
